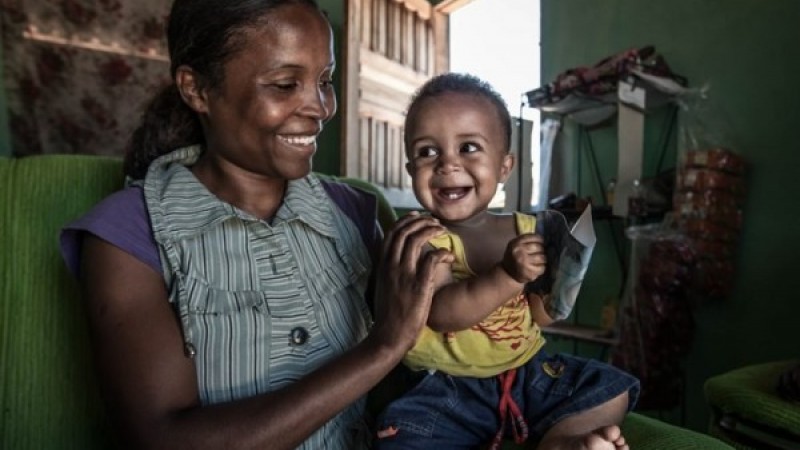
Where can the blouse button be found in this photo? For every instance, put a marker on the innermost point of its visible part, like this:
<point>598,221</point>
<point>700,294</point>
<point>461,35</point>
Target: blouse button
<point>298,336</point>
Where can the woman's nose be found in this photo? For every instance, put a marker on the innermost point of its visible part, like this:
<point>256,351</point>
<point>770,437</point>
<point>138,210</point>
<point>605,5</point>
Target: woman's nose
<point>317,103</point>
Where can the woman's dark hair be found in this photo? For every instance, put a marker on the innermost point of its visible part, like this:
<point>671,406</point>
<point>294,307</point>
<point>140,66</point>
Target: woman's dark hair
<point>461,83</point>
<point>201,34</point>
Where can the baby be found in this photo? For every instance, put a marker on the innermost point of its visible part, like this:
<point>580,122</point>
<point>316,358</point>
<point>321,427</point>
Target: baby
<point>480,368</point>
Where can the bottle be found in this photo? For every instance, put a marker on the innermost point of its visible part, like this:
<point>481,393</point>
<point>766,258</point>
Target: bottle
<point>610,187</point>
<point>636,202</point>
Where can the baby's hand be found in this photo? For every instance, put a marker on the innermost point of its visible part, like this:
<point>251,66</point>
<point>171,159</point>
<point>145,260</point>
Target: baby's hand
<point>525,259</point>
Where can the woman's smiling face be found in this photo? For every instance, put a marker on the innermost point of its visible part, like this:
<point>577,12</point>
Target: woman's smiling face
<point>276,95</point>
<point>457,155</point>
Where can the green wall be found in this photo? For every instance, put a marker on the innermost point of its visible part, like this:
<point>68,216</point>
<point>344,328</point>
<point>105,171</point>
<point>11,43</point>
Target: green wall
<point>747,52</point>
<point>326,160</point>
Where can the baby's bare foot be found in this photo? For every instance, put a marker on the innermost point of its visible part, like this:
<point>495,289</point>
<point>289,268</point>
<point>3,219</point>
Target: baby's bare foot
<point>604,438</point>
<point>601,438</point>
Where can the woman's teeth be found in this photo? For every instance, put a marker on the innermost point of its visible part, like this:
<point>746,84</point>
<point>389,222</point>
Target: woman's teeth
<point>299,140</point>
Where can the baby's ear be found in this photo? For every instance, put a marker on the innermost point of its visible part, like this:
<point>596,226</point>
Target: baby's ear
<point>505,167</point>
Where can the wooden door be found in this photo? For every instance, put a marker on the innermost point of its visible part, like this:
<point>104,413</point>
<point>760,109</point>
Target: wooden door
<point>392,47</point>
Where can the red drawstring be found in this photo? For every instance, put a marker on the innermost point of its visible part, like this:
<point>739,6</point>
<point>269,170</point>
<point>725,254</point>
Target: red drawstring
<point>506,405</point>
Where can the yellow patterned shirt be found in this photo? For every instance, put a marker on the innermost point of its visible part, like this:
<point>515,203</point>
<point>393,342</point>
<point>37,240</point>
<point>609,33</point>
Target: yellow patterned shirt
<point>504,340</point>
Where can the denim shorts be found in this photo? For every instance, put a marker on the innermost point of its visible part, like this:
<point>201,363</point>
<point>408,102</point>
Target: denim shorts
<point>442,411</point>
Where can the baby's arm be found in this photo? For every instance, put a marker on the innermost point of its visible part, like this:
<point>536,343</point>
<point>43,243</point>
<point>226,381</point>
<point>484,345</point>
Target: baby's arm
<point>539,309</point>
<point>458,305</point>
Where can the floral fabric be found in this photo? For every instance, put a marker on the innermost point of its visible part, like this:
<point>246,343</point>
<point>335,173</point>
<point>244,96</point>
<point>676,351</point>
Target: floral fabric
<point>78,73</point>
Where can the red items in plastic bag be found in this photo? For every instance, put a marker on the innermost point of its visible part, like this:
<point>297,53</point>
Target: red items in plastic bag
<point>716,159</point>
<point>656,325</point>
<point>707,208</point>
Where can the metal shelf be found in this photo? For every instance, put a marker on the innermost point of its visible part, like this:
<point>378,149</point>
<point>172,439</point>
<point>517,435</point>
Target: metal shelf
<point>584,333</point>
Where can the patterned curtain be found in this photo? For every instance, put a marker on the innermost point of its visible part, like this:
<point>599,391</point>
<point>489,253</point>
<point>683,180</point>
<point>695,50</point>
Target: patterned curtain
<point>78,73</point>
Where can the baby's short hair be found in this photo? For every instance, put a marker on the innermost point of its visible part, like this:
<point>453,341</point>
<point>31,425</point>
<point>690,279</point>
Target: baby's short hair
<point>461,83</point>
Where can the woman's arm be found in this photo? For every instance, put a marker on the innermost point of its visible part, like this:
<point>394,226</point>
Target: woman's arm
<point>462,304</point>
<point>151,387</point>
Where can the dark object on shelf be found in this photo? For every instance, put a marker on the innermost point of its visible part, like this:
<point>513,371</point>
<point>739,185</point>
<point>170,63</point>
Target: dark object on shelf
<point>572,207</point>
<point>569,205</point>
<point>596,80</point>
<point>564,202</point>
<point>589,94</point>
<point>653,199</point>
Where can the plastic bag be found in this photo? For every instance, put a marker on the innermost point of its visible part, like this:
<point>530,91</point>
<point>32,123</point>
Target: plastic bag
<point>569,251</point>
<point>550,131</point>
<point>709,194</point>
<point>656,323</point>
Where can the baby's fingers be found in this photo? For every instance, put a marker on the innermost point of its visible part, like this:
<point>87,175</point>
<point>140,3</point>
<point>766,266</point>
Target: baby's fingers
<point>528,245</point>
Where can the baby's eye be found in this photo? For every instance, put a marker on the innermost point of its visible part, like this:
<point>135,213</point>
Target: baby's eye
<point>427,151</point>
<point>469,147</point>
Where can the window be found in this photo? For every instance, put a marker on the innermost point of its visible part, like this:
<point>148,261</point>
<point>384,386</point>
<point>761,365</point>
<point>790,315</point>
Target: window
<point>499,42</point>
<point>393,47</point>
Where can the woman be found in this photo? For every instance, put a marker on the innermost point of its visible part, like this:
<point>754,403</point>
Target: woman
<point>226,287</point>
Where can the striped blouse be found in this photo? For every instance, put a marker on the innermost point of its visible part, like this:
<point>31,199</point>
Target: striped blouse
<point>261,303</point>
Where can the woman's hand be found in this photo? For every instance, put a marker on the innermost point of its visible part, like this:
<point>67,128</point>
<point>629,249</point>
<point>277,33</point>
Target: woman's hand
<point>405,285</point>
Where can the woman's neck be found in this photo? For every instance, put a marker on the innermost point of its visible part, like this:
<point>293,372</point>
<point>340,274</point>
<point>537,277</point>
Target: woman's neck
<point>255,194</point>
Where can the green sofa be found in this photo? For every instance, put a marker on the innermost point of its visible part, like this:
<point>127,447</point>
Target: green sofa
<point>748,412</point>
<point>48,390</point>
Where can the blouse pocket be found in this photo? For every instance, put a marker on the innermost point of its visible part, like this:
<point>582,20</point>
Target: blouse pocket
<point>206,300</point>
<point>230,333</point>
<point>338,275</point>
<point>338,291</point>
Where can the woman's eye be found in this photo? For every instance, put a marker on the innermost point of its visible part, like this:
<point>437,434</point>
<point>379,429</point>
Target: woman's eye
<point>285,86</point>
<point>469,147</point>
<point>325,84</point>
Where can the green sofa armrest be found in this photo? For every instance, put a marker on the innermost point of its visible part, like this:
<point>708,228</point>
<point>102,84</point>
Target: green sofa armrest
<point>386,214</point>
<point>747,410</point>
<point>48,388</point>
<point>645,433</point>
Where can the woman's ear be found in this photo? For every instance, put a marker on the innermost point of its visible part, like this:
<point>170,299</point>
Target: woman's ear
<point>191,89</point>
<point>505,167</point>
